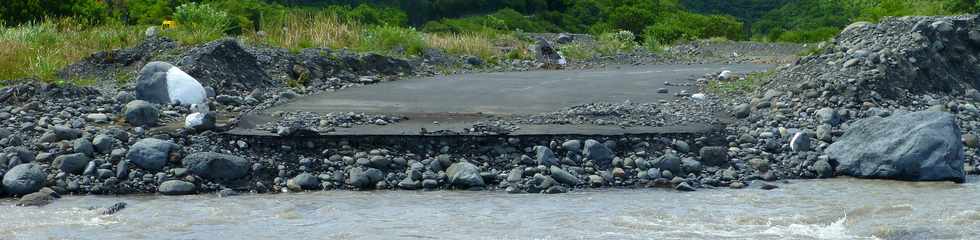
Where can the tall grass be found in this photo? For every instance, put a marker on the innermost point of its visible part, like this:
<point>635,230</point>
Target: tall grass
<point>308,30</point>
<point>463,44</point>
<point>40,50</point>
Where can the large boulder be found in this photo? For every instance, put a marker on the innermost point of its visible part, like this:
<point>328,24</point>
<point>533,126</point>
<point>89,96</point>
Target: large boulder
<point>548,54</point>
<point>564,177</point>
<point>72,163</point>
<point>464,175</point>
<point>141,113</point>
<point>225,66</point>
<point>598,152</point>
<point>151,153</point>
<point>176,187</point>
<point>216,166</point>
<point>163,83</point>
<point>23,179</point>
<point>715,156</point>
<point>380,64</point>
<point>364,178</point>
<point>544,156</point>
<point>303,181</point>
<point>919,146</point>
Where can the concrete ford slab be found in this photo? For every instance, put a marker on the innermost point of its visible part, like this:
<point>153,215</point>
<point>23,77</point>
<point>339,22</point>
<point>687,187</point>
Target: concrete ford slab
<point>458,101</point>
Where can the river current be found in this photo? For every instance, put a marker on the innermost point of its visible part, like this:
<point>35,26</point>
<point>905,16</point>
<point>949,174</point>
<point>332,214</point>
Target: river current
<point>840,208</point>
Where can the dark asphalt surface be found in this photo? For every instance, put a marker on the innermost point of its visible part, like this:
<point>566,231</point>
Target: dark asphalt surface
<point>457,101</point>
<point>511,92</point>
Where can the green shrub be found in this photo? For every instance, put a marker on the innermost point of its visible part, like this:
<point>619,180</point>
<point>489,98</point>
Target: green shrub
<point>388,38</point>
<point>370,15</point>
<point>618,42</point>
<point>198,23</point>
<point>745,85</point>
<point>687,26</point>
<point>575,51</point>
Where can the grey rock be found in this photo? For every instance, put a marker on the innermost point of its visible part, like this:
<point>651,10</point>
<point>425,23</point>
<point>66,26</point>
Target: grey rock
<point>37,199</point>
<point>103,143</point>
<point>409,184</point>
<point>91,169</point>
<point>365,179</point>
<point>970,140</point>
<point>596,181</point>
<point>544,156</point>
<point>217,167</point>
<point>684,187</point>
<point>23,179</point>
<point>303,181</point>
<point>430,184</point>
<point>800,142</point>
<point>176,187</point>
<point>201,121</point>
<point>82,145</point>
<point>715,156</point>
<point>824,133</point>
<point>71,163</point>
<point>20,153</point>
<point>574,146</point>
<point>564,177</point>
<point>823,169</point>
<point>556,189</point>
<point>141,113</point>
<point>681,146</point>
<point>742,110</point>
<point>828,116</point>
<point>515,175</point>
<point>464,175</point>
<point>689,165</point>
<point>599,153</point>
<point>918,146</point>
<point>122,170</point>
<point>669,162</point>
<point>151,153</point>
<point>65,133</point>
<point>379,162</point>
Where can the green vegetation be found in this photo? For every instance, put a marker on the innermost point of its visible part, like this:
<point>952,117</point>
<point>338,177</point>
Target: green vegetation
<point>818,20</point>
<point>40,37</point>
<point>744,85</point>
<point>39,51</point>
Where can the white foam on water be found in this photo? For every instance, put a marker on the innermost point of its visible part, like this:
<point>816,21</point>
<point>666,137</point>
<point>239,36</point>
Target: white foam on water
<point>834,230</point>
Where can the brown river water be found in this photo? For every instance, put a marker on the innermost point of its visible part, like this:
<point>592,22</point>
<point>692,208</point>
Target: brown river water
<point>814,209</point>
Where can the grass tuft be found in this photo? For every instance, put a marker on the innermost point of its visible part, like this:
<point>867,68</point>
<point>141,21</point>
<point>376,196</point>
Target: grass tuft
<point>740,86</point>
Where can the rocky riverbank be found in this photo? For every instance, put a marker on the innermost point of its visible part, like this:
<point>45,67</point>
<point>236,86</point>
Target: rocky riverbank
<point>157,134</point>
<point>868,101</point>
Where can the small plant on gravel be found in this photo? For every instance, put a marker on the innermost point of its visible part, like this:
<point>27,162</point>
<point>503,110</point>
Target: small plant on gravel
<point>745,85</point>
<point>519,53</point>
<point>615,43</point>
<point>576,51</point>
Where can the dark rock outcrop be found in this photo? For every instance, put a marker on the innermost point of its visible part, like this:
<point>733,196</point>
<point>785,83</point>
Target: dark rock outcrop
<point>919,146</point>
<point>216,166</point>
<point>23,179</point>
<point>225,66</point>
<point>151,153</point>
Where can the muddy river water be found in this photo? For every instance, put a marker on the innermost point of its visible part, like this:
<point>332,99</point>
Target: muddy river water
<point>815,209</point>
